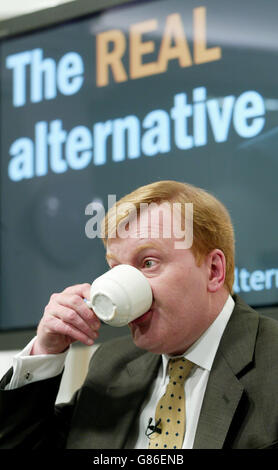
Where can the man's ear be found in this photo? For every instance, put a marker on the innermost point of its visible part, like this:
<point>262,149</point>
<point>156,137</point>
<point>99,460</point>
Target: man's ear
<point>216,264</point>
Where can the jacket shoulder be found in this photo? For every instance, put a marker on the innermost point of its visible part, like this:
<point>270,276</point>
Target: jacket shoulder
<point>267,342</point>
<point>267,326</point>
<point>119,348</point>
<point>113,356</point>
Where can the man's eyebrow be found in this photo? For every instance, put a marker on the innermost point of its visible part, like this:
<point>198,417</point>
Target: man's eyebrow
<point>145,246</point>
<point>137,250</point>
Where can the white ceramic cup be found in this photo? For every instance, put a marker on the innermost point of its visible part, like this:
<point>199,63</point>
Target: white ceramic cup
<point>120,295</point>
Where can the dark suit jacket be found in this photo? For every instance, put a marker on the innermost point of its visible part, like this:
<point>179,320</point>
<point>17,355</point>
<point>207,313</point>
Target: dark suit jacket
<point>240,407</point>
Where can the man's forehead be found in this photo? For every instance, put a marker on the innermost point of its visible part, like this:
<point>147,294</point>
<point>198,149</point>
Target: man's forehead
<point>154,222</point>
<point>151,222</point>
<point>145,230</point>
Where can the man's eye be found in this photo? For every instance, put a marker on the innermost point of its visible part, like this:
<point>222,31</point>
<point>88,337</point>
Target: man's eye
<point>148,263</point>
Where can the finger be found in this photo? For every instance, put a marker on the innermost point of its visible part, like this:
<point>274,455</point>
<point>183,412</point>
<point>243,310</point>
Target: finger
<point>72,317</point>
<point>63,328</point>
<point>83,290</point>
<point>76,303</point>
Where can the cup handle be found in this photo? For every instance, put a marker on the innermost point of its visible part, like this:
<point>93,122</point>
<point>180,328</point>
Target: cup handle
<point>88,303</point>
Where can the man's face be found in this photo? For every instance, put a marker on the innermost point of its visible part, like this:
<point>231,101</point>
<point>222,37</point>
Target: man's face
<point>180,310</point>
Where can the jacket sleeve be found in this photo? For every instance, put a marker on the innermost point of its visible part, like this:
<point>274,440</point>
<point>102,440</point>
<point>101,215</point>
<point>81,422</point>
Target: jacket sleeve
<point>29,418</point>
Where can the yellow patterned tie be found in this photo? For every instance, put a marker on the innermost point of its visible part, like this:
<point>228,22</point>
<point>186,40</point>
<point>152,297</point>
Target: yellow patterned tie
<point>170,409</point>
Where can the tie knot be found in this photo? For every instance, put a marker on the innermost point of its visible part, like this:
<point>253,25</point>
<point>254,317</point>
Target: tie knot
<point>179,369</point>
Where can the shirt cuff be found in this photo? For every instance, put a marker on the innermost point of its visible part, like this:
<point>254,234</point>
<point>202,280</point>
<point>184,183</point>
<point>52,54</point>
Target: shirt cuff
<point>28,369</point>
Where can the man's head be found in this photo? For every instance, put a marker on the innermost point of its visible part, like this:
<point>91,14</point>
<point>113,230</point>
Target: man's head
<point>212,226</point>
<point>189,285</point>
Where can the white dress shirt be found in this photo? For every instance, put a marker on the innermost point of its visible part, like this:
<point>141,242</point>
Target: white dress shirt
<point>29,369</point>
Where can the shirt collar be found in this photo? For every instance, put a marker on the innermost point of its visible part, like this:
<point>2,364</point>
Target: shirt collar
<point>203,351</point>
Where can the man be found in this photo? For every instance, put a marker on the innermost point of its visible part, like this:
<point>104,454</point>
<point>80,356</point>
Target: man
<point>230,392</point>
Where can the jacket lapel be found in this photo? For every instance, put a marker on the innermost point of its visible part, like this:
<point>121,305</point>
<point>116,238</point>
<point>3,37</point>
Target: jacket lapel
<point>127,395</point>
<point>225,390</point>
<point>139,376</point>
<point>220,402</point>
